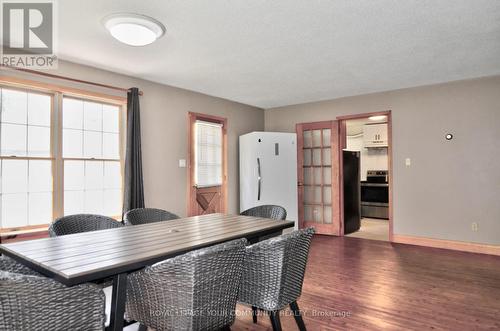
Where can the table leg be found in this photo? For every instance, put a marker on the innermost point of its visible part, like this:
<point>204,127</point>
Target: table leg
<point>118,299</point>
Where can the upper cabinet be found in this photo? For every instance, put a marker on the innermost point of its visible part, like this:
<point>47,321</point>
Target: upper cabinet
<point>375,135</point>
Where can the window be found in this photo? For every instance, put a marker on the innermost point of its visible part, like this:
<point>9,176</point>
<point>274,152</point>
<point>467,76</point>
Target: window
<point>208,154</point>
<point>25,158</point>
<point>47,169</point>
<point>91,152</point>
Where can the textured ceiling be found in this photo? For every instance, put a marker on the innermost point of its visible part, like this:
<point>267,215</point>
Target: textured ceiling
<point>281,52</point>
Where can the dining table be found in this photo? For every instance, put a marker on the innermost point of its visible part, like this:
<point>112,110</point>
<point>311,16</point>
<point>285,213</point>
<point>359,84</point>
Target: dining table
<point>113,253</point>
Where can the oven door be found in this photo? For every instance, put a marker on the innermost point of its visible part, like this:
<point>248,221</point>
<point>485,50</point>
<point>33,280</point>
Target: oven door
<point>375,192</point>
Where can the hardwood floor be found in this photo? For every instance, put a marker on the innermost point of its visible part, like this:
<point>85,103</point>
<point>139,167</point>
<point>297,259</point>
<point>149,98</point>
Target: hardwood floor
<point>359,284</point>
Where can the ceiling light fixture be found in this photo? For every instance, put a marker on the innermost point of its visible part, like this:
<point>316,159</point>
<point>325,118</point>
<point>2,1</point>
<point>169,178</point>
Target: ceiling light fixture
<point>134,29</point>
<point>377,118</point>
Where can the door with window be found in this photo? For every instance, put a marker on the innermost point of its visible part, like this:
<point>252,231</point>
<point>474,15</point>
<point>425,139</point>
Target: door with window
<point>207,183</point>
<point>318,176</point>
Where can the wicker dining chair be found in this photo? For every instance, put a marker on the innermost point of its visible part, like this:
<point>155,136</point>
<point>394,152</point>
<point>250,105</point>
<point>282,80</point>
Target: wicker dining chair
<point>29,301</point>
<point>147,215</point>
<point>81,223</point>
<point>273,274</point>
<point>194,291</point>
<point>267,211</point>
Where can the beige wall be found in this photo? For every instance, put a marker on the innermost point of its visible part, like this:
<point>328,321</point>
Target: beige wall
<point>164,132</point>
<point>450,184</point>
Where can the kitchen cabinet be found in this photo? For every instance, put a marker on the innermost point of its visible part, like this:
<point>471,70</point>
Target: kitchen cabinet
<point>375,135</point>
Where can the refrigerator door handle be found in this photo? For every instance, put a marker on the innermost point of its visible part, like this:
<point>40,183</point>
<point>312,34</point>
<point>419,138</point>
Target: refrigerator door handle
<point>259,178</point>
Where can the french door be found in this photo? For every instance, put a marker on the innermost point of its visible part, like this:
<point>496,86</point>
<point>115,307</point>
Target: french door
<point>318,176</point>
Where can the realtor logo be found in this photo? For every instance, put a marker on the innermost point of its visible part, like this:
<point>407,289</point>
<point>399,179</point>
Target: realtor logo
<point>28,34</point>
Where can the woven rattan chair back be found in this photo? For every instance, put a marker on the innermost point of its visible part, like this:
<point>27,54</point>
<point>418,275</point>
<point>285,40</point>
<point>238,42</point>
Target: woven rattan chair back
<point>274,270</point>
<point>147,215</point>
<point>29,301</point>
<point>267,211</point>
<point>194,291</point>
<point>81,223</point>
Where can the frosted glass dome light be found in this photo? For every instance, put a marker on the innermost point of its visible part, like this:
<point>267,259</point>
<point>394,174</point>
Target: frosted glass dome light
<point>134,29</point>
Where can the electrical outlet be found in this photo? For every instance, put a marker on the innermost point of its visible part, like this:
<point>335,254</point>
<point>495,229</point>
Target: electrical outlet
<point>408,162</point>
<point>474,226</point>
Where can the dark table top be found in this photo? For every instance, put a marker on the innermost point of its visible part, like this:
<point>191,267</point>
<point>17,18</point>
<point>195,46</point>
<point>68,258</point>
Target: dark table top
<point>89,256</point>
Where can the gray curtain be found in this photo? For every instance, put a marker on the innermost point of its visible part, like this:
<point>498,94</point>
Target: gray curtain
<point>134,188</point>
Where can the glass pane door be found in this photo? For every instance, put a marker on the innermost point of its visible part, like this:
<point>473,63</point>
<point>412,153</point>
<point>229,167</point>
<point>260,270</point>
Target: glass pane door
<point>317,169</point>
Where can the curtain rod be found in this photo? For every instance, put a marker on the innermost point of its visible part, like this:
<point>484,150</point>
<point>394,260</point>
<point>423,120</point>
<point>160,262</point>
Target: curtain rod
<point>45,74</point>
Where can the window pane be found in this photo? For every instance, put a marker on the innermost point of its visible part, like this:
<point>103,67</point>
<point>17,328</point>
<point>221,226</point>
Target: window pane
<point>327,175</point>
<point>112,202</point>
<point>327,156</point>
<point>316,156</point>
<point>307,139</point>
<point>73,202</point>
<point>307,157</point>
<point>93,202</point>
<point>72,114</point>
<point>316,138</point>
<point>40,176</point>
<point>317,214</point>
<point>326,137</point>
<point>92,144</point>
<point>94,175</point>
<point>72,143</point>
<point>308,213</point>
<point>208,154</point>
<point>74,175</point>
<point>92,116</point>
<point>327,195</point>
<point>14,106</point>
<point>112,175</point>
<point>110,118</point>
<point>14,176</point>
<point>40,208</point>
<point>13,139</point>
<point>111,145</point>
<point>14,210</point>
<point>312,194</point>
<point>308,176</point>
<point>327,215</point>
<point>38,141</point>
<point>39,106</point>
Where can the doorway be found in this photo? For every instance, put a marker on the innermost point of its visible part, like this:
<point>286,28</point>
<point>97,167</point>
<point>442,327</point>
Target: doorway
<point>207,164</point>
<point>370,136</point>
<point>330,172</point>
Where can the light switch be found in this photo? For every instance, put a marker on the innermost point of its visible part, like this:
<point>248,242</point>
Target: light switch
<point>182,163</point>
<point>408,162</point>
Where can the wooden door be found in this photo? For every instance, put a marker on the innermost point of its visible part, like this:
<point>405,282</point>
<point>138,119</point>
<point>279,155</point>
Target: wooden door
<point>318,176</point>
<point>207,183</point>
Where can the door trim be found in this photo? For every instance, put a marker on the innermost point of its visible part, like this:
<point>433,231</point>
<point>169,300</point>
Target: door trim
<point>343,142</point>
<point>191,191</point>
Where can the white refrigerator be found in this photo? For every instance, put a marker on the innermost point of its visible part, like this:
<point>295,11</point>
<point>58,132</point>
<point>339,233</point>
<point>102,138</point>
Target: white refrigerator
<point>268,171</point>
